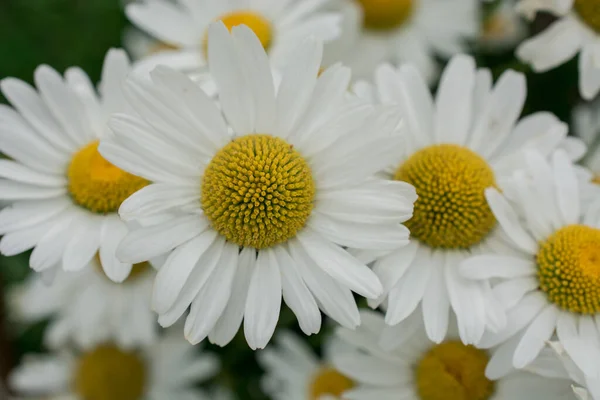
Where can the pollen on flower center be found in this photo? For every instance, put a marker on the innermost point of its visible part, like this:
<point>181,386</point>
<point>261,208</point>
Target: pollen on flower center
<point>589,12</point>
<point>568,268</point>
<point>453,370</point>
<point>261,26</point>
<point>258,191</point>
<point>96,184</point>
<point>385,15</point>
<point>328,381</point>
<point>109,373</point>
<point>451,211</point>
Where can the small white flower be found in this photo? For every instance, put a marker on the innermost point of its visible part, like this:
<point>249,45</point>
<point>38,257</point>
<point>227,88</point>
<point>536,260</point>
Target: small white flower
<point>399,31</point>
<point>548,276</point>
<point>576,31</point>
<point>468,139</point>
<point>294,372</point>
<point>64,194</point>
<point>258,198</point>
<point>419,369</point>
<point>181,27</point>
<point>169,369</point>
<point>88,308</point>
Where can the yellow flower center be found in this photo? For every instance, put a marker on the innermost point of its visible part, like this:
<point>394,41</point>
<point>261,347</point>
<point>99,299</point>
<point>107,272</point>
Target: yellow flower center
<point>328,381</point>
<point>137,270</point>
<point>96,184</point>
<point>453,371</point>
<point>383,15</point>
<point>451,211</point>
<point>109,373</point>
<point>258,191</point>
<point>589,12</point>
<point>568,268</point>
<point>261,26</point>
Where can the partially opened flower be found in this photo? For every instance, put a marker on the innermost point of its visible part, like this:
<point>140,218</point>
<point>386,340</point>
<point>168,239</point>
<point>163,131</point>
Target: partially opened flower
<point>576,31</point>
<point>418,369</point>
<point>548,278</point>
<point>467,140</point>
<point>181,27</point>
<point>294,372</point>
<point>87,308</point>
<point>256,201</point>
<point>64,194</point>
<point>400,31</point>
<point>169,369</point>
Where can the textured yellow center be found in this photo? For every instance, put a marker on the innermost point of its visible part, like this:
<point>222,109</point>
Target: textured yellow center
<point>109,373</point>
<point>257,191</point>
<point>589,12</point>
<point>385,15</point>
<point>453,371</point>
<point>96,184</point>
<point>137,270</point>
<point>451,211</point>
<point>328,381</point>
<point>261,26</point>
<point>569,268</point>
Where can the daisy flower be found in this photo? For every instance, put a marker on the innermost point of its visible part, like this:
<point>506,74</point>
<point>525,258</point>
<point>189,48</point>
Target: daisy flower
<point>294,372</point>
<point>88,308</point>
<point>422,370</point>
<point>398,31</point>
<point>64,194</point>
<point>181,27</point>
<point>469,139</point>
<point>576,31</point>
<point>168,369</point>
<point>503,29</point>
<point>547,278</point>
<point>260,196</point>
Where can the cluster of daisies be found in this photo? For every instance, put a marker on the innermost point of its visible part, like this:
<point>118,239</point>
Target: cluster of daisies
<point>263,154</point>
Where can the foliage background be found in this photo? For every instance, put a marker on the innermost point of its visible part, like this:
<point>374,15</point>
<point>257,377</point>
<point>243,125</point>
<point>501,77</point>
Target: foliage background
<point>64,33</point>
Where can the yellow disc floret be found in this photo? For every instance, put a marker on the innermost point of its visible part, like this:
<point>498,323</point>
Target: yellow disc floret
<point>569,268</point>
<point>328,381</point>
<point>385,15</point>
<point>453,371</point>
<point>109,373</point>
<point>96,184</point>
<point>258,191</point>
<point>451,211</point>
<point>589,12</point>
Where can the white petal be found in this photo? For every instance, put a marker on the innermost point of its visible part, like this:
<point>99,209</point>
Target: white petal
<point>535,337</point>
<point>589,73</point>
<point>483,267</point>
<point>83,245</point>
<point>113,231</point>
<point>21,173</point>
<point>567,189</point>
<point>436,304</point>
<point>155,199</point>
<point>25,214</point>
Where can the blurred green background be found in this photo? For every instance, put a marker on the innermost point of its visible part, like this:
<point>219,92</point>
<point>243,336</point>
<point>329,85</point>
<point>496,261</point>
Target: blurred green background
<point>64,33</point>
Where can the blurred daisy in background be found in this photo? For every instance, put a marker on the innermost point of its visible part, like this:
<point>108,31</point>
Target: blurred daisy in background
<point>548,278</point>
<point>181,28</point>
<point>263,195</point>
<point>419,369</point>
<point>398,31</point>
<point>467,140</point>
<point>503,28</point>
<point>169,369</point>
<point>584,388</point>
<point>88,308</point>
<point>586,125</point>
<point>294,372</point>
<point>64,194</point>
<point>575,32</point>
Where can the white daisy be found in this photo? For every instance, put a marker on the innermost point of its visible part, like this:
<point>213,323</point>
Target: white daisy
<point>395,31</point>
<point>88,308</point>
<point>577,30</point>
<point>294,372</point>
<point>469,139</point>
<point>548,278</point>
<point>503,28</point>
<point>64,194</point>
<point>183,25</point>
<point>168,369</point>
<point>421,370</point>
<point>262,195</point>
